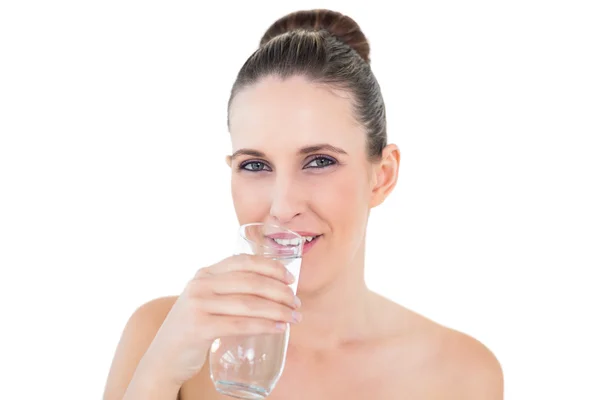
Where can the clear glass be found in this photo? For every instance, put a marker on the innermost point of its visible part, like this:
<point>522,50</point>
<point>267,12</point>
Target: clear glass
<point>249,366</point>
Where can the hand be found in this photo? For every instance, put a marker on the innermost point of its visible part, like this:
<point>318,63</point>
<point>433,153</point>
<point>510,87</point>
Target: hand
<point>240,295</point>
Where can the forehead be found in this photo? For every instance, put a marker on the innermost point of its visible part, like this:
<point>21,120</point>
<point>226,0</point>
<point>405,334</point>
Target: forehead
<point>291,113</point>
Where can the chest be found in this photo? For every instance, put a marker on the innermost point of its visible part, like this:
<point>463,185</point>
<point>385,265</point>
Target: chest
<point>345,376</point>
<point>334,382</point>
<point>352,375</point>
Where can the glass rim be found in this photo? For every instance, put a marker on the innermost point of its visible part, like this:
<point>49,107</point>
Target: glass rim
<point>242,233</point>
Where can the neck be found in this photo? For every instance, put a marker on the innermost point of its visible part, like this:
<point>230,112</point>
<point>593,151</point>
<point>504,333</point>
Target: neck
<point>336,314</point>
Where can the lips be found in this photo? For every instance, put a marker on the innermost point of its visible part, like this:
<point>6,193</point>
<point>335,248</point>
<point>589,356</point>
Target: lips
<point>309,245</point>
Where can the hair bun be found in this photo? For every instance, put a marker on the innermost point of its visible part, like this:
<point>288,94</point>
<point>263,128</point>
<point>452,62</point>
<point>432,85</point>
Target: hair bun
<point>339,25</point>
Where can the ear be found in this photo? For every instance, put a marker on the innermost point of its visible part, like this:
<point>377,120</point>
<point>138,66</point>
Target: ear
<point>228,161</point>
<point>386,174</point>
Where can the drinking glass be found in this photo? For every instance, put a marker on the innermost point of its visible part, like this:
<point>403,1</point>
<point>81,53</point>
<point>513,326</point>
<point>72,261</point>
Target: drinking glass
<point>249,366</point>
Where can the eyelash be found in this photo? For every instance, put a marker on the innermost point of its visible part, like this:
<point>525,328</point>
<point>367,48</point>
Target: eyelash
<point>321,157</point>
<point>243,165</point>
<point>330,161</point>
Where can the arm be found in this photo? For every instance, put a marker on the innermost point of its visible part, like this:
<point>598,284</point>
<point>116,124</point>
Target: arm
<point>132,375</point>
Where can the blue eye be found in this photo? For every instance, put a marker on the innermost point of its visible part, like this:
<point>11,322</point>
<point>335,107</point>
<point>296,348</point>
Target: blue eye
<point>254,166</point>
<point>320,162</point>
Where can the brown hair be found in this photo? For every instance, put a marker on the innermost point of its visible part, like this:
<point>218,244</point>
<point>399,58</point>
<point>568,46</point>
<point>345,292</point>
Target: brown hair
<point>327,47</point>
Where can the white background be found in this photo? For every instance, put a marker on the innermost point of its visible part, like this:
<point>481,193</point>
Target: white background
<point>114,188</point>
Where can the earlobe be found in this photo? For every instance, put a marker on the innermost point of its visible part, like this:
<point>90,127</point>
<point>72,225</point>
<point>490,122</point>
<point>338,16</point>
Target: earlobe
<point>386,174</point>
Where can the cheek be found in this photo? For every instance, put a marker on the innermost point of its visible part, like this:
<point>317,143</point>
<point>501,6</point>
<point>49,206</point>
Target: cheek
<point>344,200</point>
<point>250,199</point>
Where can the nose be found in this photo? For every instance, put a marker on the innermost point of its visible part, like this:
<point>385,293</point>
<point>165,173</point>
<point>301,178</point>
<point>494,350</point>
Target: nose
<point>287,201</point>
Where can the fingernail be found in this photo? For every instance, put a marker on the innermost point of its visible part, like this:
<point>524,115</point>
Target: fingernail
<point>290,277</point>
<point>280,326</point>
<point>296,316</point>
<point>297,301</point>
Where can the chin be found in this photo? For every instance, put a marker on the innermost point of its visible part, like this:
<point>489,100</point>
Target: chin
<point>314,277</point>
<point>321,268</point>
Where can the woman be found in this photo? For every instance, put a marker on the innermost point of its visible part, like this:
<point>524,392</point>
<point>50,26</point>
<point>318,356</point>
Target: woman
<point>308,129</point>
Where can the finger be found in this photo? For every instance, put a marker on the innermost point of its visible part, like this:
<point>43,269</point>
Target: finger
<point>235,325</point>
<point>254,284</point>
<point>249,306</point>
<point>258,264</point>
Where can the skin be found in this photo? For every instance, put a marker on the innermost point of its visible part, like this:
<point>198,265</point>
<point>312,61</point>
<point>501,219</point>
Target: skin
<point>350,343</point>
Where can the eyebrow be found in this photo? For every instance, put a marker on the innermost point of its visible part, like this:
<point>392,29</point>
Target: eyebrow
<point>248,152</point>
<point>304,150</point>
<point>321,147</point>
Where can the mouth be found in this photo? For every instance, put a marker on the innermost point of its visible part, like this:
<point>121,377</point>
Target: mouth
<point>307,241</point>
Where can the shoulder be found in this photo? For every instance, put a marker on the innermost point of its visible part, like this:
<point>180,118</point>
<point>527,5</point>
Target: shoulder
<point>152,313</point>
<point>449,363</point>
<point>469,368</point>
<point>144,322</point>
<point>137,335</point>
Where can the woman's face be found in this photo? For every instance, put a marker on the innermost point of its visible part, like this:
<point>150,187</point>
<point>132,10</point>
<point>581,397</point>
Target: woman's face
<point>300,160</point>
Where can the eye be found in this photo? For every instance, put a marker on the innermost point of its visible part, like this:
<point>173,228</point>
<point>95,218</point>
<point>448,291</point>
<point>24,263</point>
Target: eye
<point>254,166</point>
<point>320,162</point>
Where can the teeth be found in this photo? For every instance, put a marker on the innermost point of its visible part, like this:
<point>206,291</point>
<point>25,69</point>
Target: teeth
<point>294,242</point>
<point>288,242</point>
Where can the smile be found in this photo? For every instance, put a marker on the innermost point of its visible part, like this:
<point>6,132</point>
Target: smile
<point>307,241</point>
<point>295,241</point>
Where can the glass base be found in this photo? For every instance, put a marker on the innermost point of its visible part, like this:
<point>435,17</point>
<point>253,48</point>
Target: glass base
<point>240,390</point>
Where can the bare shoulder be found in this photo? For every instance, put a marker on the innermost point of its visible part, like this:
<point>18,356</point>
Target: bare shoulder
<point>153,313</point>
<point>137,335</point>
<point>450,363</point>
<point>143,324</point>
<point>469,367</point>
